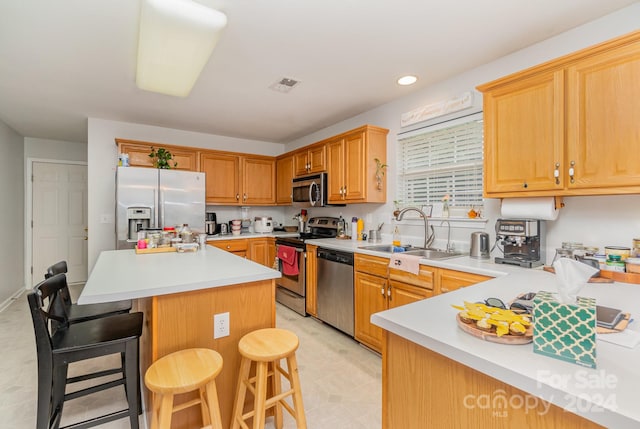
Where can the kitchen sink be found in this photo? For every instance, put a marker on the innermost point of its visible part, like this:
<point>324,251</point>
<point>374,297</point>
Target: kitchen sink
<point>410,250</point>
<point>388,248</point>
<point>433,253</point>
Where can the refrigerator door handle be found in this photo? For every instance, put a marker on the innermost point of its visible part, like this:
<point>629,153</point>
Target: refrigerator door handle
<point>161,210</point>
<point>156,208</point>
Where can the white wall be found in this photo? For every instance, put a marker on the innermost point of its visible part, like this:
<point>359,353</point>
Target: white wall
<point>102,159</point>
<point>597,221</point>
<point>11,213</point>
<point>54,149</point>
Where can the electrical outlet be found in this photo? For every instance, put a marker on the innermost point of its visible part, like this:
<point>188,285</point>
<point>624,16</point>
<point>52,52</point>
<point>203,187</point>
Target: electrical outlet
<point>220,325</point>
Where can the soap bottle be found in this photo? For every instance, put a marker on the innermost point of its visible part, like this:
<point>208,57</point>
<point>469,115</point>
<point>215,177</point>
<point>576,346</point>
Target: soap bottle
<point>360,228</point>
<point>396,237</point>
<point>354,228</point>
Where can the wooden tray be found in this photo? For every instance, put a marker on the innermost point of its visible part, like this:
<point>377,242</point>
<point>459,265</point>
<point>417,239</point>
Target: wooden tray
<point>155,250</point>
<point>470,328</point>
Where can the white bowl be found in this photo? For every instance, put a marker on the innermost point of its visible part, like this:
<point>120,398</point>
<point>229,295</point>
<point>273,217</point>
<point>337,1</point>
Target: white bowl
<point>235,232</point>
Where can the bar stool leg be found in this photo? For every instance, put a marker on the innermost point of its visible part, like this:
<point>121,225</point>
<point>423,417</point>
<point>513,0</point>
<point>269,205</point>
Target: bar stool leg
<point>241,392</point>
<point>277,389</point>
<point>212,404</point>
<point>163,417</point>
<point>292,366</point>
<point>262,369</point>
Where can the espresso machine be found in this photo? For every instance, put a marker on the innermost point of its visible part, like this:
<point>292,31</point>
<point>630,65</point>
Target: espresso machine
<point>210,224</point>
<point>523,242</point>
<point>138,219</point>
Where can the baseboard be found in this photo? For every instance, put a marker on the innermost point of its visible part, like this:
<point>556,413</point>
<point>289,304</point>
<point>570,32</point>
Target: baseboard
<point>6,303</point>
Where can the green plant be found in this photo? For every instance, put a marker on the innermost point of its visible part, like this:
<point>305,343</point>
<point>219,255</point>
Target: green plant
<point>161,158</point>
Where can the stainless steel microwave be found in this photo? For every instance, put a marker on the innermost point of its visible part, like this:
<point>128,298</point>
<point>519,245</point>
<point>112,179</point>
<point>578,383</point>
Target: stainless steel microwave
<point>310,191</point>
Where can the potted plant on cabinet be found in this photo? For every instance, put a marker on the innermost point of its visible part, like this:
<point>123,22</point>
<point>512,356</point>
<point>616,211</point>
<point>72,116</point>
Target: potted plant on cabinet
<point>161,158</point>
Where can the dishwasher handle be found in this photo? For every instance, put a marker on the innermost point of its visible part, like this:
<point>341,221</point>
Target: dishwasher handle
<point>336,256</point>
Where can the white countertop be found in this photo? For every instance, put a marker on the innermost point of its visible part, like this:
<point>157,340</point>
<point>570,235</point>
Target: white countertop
<point>122,274</point>
<point>462,263</point>
<point>606,395</point>
<point>251,235</point>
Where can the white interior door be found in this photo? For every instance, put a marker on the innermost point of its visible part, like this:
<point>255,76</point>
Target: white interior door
<point>59,219</point>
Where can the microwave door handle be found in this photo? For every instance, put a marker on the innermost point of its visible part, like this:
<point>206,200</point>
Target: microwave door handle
<point>311,199</point>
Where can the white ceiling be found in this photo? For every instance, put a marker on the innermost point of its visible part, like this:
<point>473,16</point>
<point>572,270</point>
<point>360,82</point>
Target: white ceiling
<point>63,61</point>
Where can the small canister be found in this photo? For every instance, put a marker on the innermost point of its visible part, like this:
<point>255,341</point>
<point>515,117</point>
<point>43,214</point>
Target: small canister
<point>623,252</point>
<point>615,263</point>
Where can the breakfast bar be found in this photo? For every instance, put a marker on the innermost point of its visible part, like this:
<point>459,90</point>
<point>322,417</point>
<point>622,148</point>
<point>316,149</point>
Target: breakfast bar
<point>179,294</point>
<point>436,375</point>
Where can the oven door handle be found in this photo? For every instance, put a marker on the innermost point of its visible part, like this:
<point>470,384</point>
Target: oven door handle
<point>299,250</point>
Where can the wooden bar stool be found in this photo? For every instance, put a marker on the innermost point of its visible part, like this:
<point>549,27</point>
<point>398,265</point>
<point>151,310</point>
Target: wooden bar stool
<point>267,347</point>
<point>181,372</point>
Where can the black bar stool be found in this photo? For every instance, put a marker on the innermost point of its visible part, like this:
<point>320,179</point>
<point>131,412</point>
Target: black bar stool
<point>81,313</point>
<point>59,343</point>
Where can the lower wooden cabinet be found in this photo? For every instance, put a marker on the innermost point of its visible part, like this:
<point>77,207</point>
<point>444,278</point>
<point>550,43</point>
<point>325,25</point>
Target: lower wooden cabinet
<point>378,287</point>
<point>311,267</point>
<point>260,250</point>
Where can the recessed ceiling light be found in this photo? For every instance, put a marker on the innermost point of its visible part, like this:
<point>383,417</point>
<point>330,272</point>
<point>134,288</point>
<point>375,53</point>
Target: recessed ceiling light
<point>407,80</point>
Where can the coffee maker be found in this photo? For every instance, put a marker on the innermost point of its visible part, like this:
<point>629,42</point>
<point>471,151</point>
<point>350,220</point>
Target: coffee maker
<point>210,223</point>
<point>523,241</point>
<point>138,219</point>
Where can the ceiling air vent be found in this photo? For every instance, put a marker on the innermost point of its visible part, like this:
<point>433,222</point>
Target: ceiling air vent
<point>284,85</point>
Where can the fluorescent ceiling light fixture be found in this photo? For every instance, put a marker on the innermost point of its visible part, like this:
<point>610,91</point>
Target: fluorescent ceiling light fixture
<point>407,80</point>
<point>175,42</point>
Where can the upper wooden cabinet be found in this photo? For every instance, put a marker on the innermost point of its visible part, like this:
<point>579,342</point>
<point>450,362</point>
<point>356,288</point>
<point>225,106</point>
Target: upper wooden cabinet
<point>311,159</point>
<point>234,179</point>
<point>351,166</point>
<point>187,158</point>
<point>566,127</point>
<point>284,176</point>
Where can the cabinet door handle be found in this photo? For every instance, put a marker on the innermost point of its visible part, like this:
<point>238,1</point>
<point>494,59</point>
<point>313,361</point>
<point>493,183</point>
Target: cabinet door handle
<point>344,194</point>
<point>556,173</point>
<point>572,171</point>
<point>244,197</point>
<point>237,197</point>
<point>444,290</point>
<point>389,293</point>
<point>228,246</point>
<point>382,291</point>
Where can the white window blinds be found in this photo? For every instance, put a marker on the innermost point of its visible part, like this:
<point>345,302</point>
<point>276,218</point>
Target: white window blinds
<point>444,159</point>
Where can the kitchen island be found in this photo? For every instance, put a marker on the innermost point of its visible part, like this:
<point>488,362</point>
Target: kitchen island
<point>179,294</point>
<point>436,375</point>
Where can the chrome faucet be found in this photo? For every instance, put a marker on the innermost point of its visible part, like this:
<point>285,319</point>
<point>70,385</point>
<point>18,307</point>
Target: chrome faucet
<point>449,245</point>
<point>428,239</point>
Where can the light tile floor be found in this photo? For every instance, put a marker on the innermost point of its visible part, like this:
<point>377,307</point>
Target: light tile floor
<point>341,380</point>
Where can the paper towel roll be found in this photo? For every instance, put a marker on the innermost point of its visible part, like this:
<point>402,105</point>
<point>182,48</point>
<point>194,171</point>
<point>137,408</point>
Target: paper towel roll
<point>543,208</point>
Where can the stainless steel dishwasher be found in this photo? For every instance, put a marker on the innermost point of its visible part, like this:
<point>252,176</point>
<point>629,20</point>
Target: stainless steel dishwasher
<point>335,289</point>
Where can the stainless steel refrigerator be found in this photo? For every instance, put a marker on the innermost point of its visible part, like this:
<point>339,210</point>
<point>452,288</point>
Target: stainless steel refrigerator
<point>155,198</point>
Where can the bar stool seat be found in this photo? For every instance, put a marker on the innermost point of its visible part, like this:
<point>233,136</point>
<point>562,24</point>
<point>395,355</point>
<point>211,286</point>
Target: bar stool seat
<point>181,372</point>
<point>266,347</point>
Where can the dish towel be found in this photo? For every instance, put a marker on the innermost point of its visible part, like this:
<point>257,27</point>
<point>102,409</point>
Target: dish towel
<point>409,263</point>
<point>289,258</point>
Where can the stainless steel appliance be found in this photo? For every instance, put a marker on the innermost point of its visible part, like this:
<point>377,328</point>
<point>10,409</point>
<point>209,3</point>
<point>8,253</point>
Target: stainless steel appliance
<point>335,289</point>
<point>292,289</point>
<point>171,197</point>
<point>309,191</point>
<point>523,241</point>
<point>479,245</point>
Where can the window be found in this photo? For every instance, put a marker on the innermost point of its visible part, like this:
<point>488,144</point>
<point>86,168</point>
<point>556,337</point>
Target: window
<point>443,159</point>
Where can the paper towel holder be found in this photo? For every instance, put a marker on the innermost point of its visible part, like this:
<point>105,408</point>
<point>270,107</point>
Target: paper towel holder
<point>558,202</point>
